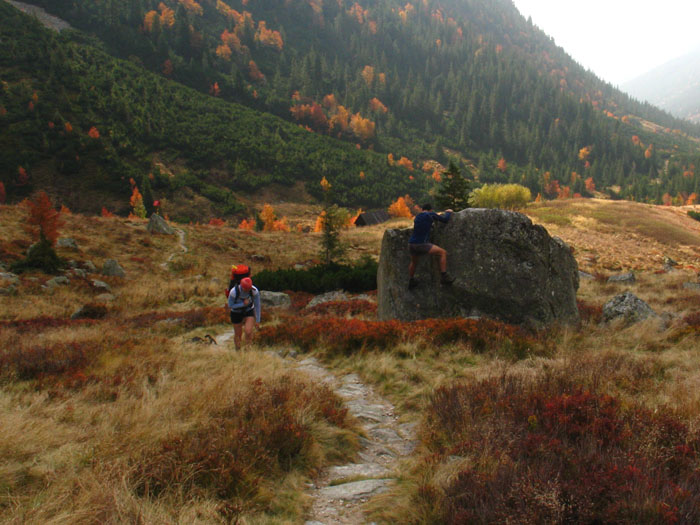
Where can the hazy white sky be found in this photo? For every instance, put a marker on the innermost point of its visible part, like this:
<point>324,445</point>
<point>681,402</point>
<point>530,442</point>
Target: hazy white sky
<point>618,39</point>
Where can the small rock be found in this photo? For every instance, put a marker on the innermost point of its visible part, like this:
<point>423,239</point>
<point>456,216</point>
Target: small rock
<point>100,285</point>
<point>327,297</point>
<point>79,272</point>
<point>11,278</point>
<point>691,286</point>
<point>292,354</point>
<point>298,266</point>
<point>67,242</point>
<point>72,264</point>
<point>112,267</point>
<point>61,280</point>
<point>584,275</point>
<point>275,299</point>
<point>105,298</point>
<point>90,311</point>
<point>90,267</point>
<point>669,262</point>
<point>622,278</point>
<point>157,224</point>
<point>260,258</point>
<point>627,306</point>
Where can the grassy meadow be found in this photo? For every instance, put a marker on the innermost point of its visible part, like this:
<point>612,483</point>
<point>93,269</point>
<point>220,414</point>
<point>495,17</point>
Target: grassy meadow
<point>120,418</point>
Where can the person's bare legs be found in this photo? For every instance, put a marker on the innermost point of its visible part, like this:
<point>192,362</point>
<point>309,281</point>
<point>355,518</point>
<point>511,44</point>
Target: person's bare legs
<point>248,326</point>
<point>237,333</point>
<point>442,253</point>
<point>412,266</point>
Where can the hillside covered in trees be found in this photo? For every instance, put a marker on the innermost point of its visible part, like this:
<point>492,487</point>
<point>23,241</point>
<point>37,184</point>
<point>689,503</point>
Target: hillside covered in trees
<point>365,94</point>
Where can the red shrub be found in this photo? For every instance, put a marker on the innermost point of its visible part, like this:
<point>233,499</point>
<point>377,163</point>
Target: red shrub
<point>559,453</point>
<point>589,313</point>
<point>261,434</point>
<point>39,361</point>
<point>349,335</point>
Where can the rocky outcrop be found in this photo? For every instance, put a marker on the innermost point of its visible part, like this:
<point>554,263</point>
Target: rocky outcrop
<point>275,299</point>
<point>157,224</point>
<point>628,307</point>
<point>504,267</point>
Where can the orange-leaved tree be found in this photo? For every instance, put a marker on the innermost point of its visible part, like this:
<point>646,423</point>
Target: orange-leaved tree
<point>399,208</point>
<point>247,225</point>
<point>43,220</point>
<point>268,216</point>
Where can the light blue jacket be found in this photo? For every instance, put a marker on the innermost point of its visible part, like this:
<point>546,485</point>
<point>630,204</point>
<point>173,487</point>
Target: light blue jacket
<point>239,301</point>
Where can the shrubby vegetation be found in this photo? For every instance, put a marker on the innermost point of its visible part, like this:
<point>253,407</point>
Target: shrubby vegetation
<point>361,277</point>
<point>505,196</point>
<point>694,215</point>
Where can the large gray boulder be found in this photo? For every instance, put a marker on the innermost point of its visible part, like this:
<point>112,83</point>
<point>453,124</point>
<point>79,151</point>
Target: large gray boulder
<point>157,224</point>
<point>504,267</point>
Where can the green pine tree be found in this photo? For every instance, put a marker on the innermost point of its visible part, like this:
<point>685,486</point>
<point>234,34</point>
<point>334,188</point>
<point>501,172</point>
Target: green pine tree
<point>454,189</point>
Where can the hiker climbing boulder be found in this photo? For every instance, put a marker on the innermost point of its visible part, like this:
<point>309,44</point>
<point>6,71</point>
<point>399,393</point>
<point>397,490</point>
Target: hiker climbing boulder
<point>505,268</point>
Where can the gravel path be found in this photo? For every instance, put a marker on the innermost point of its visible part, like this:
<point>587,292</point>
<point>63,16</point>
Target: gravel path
<point>340,493</point>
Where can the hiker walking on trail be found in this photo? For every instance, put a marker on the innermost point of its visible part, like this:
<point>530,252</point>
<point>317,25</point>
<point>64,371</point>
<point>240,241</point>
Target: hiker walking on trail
<point>419,244</point>
<point>244,303</point>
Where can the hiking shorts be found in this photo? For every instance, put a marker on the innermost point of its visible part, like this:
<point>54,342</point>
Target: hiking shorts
<point>237,317</point>
<point>419,249</point>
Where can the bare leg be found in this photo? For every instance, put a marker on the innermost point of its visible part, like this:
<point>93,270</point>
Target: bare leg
<point>237,333</point>
<point>249,325</point>
<point>442,253</point>
<point>412,266</point>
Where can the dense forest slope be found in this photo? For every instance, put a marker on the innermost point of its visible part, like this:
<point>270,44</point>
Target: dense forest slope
<point>78,120</point>
<point>413,82</point>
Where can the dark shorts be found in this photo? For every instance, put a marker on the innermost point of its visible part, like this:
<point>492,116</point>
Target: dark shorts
<point>419,249</point>
<point>237,317</point>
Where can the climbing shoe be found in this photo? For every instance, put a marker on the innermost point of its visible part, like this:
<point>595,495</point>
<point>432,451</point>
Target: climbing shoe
<point>446,278</point>
<point>412,283</point>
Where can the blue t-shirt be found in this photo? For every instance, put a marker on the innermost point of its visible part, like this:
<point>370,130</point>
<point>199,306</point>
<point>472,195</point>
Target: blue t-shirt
<point>422,224</point>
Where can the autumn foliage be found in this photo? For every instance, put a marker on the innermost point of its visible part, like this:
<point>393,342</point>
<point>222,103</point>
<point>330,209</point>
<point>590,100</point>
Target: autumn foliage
<point>596,459</point>
<point>42,220</point>
<point>400,207</point>
<point>344,336</point>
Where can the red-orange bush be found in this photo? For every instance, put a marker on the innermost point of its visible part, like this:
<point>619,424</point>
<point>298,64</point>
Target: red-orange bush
<point>261,433</point>
<point>350,335</point>
<point>559,453</point>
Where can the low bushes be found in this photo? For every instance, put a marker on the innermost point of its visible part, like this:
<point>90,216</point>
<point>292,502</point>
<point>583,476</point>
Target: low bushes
<point>323,278</point>
<point>266,431</point>
<point>550,451</point>
<point>345,336</point>
<point>694,215</point>
<point>505,196</point>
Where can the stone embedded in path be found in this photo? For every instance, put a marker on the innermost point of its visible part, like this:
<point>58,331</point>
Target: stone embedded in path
<point>357,470</point>
<point>67,242</point>
<point>504,267</point>
<point>357,490</point>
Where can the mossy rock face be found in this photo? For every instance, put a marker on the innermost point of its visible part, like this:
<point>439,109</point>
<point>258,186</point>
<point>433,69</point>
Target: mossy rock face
<point>40,256</point>
<point>504,266</point>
